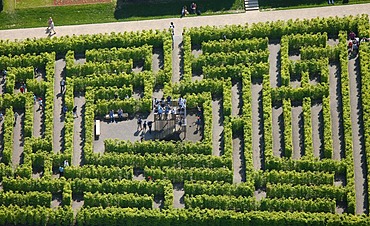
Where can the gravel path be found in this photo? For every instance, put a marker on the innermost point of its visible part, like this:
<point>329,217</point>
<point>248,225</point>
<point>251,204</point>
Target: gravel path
<point>359,154</point>
<point>236,98</point>
<point>317,128</point>
<point>217,127</point>
<point>178,196</point>
<point>238,160</point>
<point>58,139</point>
<point>17,156</point>
<point>176,61</point>
<point>37,121</point>
<point>335,111</point>
<point>277,110</point>
<point>297,130</point>
<point>78,132</point>
<point>257,124</point>
<point>157,60</point>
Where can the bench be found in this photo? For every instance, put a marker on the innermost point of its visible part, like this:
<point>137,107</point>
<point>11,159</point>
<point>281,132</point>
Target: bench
<point>97,128</point>
<point>115,116</point>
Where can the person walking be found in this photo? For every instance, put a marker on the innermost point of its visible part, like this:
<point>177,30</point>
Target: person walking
<point>144,126</point>
<point>40,103</point>
<point>51,26</point>
<point>139,122</point>
<point>150,123</point>
<point>62,85</point>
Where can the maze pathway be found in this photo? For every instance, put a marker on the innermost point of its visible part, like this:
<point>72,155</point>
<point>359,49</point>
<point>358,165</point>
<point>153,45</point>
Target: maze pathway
<point>359,155</point>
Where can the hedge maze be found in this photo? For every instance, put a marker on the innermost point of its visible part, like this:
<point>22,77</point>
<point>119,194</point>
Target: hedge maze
<point>282,140</point>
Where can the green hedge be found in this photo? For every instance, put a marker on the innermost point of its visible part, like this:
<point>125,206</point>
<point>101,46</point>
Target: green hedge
<point>25,199</point>
<point>203,217</point>
<point>98,172</point>
<point>118,200</point>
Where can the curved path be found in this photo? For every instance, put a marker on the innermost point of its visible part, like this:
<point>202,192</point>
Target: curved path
<point>217,20</point>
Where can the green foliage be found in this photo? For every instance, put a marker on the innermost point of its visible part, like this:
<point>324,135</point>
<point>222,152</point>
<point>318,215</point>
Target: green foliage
<point>118,200</point>
<point>98,172</point>
<point>79,186</point>
<point>306,191</point>
<point>123,146</point>
<point>217,188</point>
<point>25,199</point>
<point>293,177</point>
<point>177,175</point>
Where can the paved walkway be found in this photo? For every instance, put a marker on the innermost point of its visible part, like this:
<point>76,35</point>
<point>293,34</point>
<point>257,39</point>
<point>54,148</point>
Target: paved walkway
<point>219,20</point>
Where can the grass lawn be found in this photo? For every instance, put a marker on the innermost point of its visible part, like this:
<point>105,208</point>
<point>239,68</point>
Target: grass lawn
<point>25,4</point>
<point>109,12</point>
<point>295,4</point>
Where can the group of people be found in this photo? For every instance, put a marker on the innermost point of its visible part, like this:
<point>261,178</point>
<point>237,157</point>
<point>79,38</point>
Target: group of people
<point>23,87</point>
<point>193,10</point>
<point>142,125</point>
<point>354,43</point>
<point>164,107</point>
<point>61,168</point>
<point>119,113</point>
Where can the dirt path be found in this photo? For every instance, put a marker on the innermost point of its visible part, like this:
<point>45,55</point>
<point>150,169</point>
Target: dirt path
<point>297,130</point>
<point>335,111</point>
<point>257,124</point>
<point>236,98</point>
<point>178,196</point>
<point>17,156</point>
<point>78,132</point>
<point>359,154</point>
<point>38,116</point>
<point>157,60</point>
<point>238,160</point>
<point>277,110</point>
<point>317,128</point>
<point>217,127</point>
<point>58,139</point>
<point>176,58</point>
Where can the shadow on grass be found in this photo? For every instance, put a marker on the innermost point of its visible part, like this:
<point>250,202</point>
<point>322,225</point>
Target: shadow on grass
<point>136,8</point>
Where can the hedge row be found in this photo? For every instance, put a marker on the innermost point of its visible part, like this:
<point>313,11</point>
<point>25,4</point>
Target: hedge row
<point>326,165</point>
<point>347,124</point>
<point>293,177</point>
<point>177,175</point>
<point>203,217</point>
<point>306,191</point>
<point>98,172</point>
<point>277,29</point>
<point>79,186</point>
<point>82,43</point>
<point>235,45</point>
<point>89,68</point>
<point>217,188</point>
<point>364,54</point>
<point>124,146</point>
<point>159,160</point>
<point>25,199</point>
<point>118,200</point>
<point>250,203</point>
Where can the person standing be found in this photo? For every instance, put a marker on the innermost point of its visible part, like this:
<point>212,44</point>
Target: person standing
<point>51,26</point>
<point>172,29</point>
<point>74,110</point>
<point>139,122</point>
<point>62,85</point>
<point>144,126</point>
<point>150,123</point>
<point>40,103</point>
